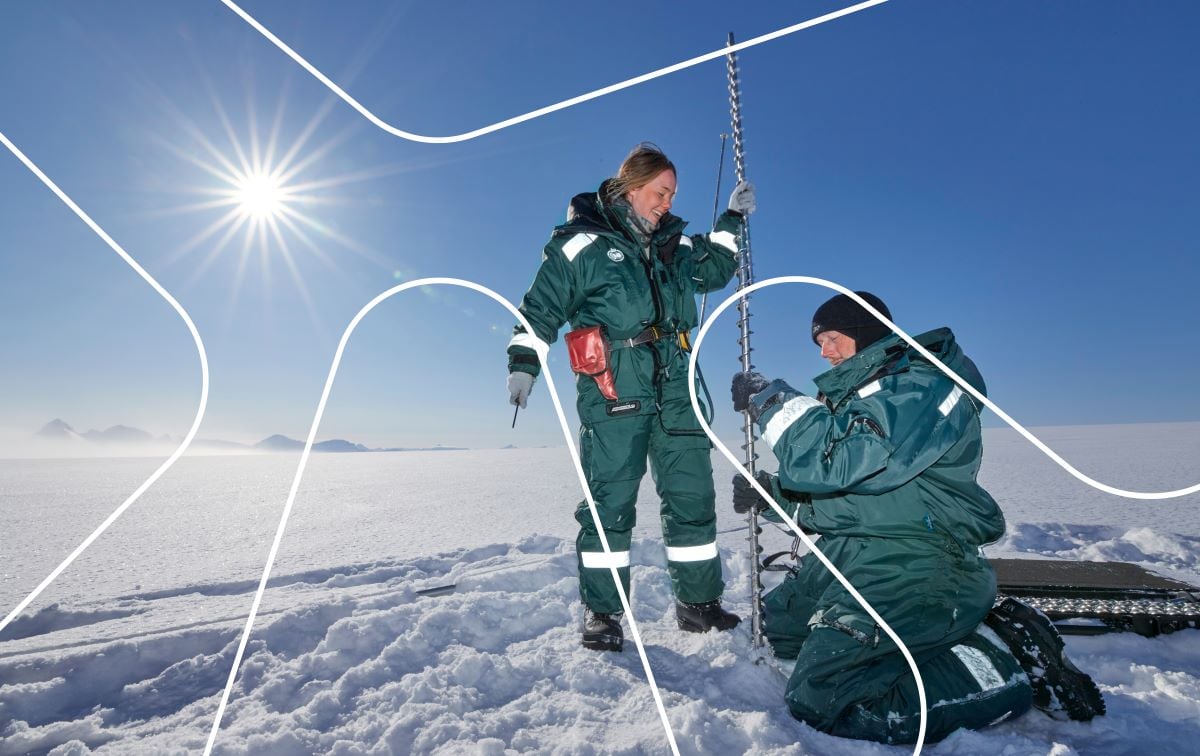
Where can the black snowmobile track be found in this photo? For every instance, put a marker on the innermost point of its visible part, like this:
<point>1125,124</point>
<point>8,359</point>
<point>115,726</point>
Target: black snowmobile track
<point>1090,598</point>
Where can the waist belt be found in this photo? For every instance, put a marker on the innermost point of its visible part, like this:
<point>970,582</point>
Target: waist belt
<point>652,334</point>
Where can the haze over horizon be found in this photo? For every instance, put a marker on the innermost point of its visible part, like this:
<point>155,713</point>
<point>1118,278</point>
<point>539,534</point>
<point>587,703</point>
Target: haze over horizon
<point>59,439</point>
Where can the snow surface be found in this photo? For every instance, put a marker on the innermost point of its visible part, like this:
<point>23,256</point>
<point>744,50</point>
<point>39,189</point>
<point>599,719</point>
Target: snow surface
<point>129,650</point>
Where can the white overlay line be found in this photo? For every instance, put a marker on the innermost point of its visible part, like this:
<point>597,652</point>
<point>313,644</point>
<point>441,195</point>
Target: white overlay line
<point>767,497</point>
<point>187,440</point>
<point>308,444</point>
<point>967,387</point>
<point>715,54</point>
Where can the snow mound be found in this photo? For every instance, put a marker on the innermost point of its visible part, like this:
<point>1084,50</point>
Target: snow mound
<point>54,618</point>
<point>477,651</point>
<point>1104,543</point>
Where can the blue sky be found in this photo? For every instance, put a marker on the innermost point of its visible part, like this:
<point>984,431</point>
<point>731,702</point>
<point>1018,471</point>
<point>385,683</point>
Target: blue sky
<point>1025,172</point>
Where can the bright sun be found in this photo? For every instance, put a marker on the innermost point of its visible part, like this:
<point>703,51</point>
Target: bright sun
<point>260,196</point>
<point>273,203</point>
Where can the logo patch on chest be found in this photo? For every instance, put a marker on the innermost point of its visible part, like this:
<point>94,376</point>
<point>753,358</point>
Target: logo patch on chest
<point>616,255</point>
<point>623,408</point>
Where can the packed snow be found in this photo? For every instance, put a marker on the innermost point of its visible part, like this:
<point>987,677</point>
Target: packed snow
<point>426,602</point>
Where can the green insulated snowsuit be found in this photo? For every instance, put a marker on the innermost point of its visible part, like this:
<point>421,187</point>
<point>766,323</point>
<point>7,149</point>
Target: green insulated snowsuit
<point>593,272</point>
<point>884,469</point>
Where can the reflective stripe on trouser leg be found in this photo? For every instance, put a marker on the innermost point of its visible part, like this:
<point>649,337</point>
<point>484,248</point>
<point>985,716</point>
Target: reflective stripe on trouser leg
<point>692,553</point>
<point>596,587</point>
<point>683,476</point>
<point>695,572</point>
<point>613,454</point>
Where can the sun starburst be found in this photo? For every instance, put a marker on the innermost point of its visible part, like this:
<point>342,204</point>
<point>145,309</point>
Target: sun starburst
<point>267,197</point>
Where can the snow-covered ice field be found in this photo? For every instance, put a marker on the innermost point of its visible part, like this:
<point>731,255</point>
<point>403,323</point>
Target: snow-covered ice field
<point>129,650</point>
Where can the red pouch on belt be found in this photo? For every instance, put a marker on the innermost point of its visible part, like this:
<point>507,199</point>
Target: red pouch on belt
<point>588,349</point>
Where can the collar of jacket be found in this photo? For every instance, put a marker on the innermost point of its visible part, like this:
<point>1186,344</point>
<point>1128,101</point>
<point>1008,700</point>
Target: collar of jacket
<point>589,214</point>
<point>884,357</point>
<point>891,355</point>
<point>942,344</point>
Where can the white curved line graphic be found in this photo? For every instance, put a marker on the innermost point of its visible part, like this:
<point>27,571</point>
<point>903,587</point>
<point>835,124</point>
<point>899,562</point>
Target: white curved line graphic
<point>549,108</point>
<point>912,664</point>
<point>1176,493</point>
<point>308,444</point>
<point>954,377</point>
<point>191,434</point>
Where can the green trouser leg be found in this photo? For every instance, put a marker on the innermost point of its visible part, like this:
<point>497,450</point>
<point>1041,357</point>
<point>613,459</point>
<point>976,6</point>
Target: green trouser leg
<point>851,680</point>
<point>788,607</point>
<point>972,684</point>
<point>613,454</point>
<point>683,477</point>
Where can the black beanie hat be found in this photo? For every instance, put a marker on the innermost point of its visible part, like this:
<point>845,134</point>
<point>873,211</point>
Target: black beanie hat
<point>844,315</point>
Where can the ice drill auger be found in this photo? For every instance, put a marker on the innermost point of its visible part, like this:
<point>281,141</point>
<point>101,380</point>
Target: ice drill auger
<point>745,274</point>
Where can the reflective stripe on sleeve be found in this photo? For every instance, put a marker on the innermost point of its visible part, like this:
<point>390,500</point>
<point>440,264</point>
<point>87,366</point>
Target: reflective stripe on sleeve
<point>951,400</point>
<point>529,341</point>
<point>869,389</point>
<point>790,412</point>
<point>598,560</point>
<point>577,244</point>
<point>724,239</point>
<point>692,553</point>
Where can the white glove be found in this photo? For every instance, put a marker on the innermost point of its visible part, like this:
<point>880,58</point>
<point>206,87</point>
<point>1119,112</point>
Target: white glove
<point>742,199</point>
<point>519,385</point>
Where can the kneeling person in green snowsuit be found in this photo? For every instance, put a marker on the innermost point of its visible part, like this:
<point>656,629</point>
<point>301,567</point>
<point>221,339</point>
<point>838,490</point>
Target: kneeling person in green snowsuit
<point>882,464</point>
<point>622,263</point>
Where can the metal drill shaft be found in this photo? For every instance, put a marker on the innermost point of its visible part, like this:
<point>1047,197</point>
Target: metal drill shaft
<point>745,273</point>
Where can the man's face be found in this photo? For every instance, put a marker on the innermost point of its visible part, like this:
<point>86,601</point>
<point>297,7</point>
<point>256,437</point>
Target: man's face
<point>836,347</point>
<point>653,200</point>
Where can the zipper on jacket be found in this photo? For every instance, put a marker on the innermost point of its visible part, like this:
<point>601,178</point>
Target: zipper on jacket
<point>870,424</point>
<point>655,294</point>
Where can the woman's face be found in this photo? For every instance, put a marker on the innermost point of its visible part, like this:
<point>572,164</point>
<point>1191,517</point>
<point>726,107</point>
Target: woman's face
<point>652,200</point>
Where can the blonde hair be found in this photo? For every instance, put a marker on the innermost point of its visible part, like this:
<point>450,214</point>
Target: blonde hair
<point>638,168</point>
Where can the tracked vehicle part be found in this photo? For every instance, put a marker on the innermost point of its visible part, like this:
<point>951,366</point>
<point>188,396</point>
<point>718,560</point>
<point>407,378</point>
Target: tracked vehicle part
<point>1092,598</point>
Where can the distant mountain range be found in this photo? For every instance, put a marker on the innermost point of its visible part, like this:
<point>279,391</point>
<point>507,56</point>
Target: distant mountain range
<point>59,431</point>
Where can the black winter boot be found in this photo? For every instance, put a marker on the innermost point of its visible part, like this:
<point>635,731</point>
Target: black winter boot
<point>700,618</point>
<point>602,632</point>
<point>1060,689</point>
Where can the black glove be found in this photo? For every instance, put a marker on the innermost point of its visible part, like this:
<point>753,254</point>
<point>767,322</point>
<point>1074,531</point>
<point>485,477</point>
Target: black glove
<point>745,497</point>
<point>746,385</point>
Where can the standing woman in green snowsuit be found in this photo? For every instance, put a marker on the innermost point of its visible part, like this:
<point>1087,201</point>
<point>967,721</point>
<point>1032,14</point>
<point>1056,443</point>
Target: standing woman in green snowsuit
<point>622,267</point>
